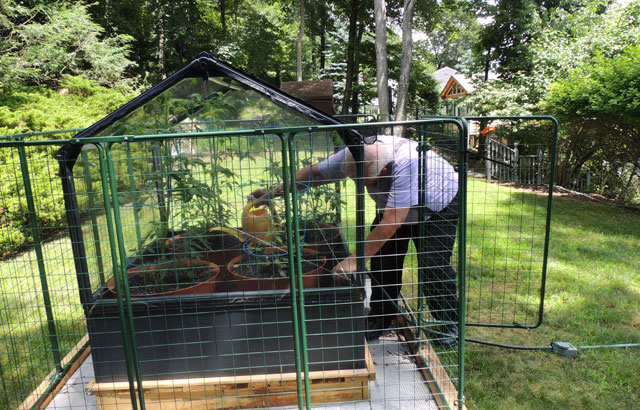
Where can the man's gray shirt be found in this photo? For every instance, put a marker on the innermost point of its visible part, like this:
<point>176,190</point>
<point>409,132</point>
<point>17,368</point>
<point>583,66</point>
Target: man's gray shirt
<point>400,188</point>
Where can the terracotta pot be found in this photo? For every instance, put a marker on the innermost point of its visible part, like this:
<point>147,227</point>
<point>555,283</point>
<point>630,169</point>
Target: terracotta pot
<point>332,236</point>
<point>238,282</point>
<point>208,286</point>
<point>220,257</point>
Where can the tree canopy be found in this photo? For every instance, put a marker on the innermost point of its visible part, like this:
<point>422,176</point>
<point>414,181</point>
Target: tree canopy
<point>568,58</point>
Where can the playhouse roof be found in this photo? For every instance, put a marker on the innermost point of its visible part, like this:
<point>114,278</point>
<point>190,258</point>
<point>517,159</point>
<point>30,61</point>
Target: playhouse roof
<point>457,86</point>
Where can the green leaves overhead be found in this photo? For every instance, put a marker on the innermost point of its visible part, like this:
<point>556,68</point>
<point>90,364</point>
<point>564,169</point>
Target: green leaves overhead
<point>44,43</point>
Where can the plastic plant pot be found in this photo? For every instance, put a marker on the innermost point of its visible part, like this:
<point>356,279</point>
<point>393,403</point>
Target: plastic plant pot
<point>210,246</point>
<point>253,263</point>
<point>140,287</point>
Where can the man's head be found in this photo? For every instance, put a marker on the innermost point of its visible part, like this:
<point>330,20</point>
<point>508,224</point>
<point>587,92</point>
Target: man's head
<point>377,157</point>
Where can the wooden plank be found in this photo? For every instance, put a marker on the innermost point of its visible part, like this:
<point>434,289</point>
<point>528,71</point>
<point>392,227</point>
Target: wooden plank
<point>438,381</point>
<point>250,379</point>
<point>40,390</point>
<point>275,399</point>
<point>266,395</point>
<point>240,392</point>
<point>371,368</point>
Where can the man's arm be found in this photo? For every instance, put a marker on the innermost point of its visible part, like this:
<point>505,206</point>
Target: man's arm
<point>310,175</point>
<point>307,176</point>
<point>392,220</point>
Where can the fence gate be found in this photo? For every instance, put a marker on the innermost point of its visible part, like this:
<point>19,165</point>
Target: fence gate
<point>509,214</point>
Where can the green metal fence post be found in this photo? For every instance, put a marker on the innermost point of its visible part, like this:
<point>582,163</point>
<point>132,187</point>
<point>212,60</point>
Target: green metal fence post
<point>298,271</point>
<point>115,264</point>
<point>53,336</point>
<point>547,231</point>
<point>423,146</point>
<point>123,267</point>
<point>136,210</point>
<point>294,308</point>
<point>463,159</point>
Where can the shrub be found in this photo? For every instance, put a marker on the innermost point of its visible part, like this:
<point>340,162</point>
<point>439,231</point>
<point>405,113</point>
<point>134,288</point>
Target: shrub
<point>79,103</point>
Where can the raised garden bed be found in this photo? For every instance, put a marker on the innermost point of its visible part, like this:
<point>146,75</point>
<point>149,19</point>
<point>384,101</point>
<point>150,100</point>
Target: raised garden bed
<point>227,334</point>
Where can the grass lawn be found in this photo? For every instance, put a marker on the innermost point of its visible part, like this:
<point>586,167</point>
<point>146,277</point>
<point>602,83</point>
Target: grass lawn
<point>593,297</point>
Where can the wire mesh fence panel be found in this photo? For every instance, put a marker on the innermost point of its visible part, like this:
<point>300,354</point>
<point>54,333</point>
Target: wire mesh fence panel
<point>210,264</point>
<point>508,221</point>
<point>266,268</point>
<point>41,318</point>
<point>195,266</point>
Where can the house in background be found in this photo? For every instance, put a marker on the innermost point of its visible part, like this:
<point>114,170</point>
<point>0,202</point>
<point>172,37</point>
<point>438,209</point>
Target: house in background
<point>454,86</point>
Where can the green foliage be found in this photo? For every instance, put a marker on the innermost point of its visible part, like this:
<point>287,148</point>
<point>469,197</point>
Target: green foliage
<point>423,87</point>
<point>454,33</point>
<point>46,42</point>
<point>36,108</point>
<point>505,43</point>
<point>583,72</point>
<point>599,107</point>
<point>595,94</point>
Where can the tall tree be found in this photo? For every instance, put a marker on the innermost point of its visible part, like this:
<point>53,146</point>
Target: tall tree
<point>351,55</point>
<point>405,62</point>
<point>299,43</point>
<point>453,35</point>
<point>42,44</point>
<point>382,71</point>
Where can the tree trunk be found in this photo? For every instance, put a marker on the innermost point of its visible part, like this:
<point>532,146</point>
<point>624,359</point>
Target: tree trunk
<point>162,40</point>
<point>355,99</point>
<point>405,64</point>
<point>353,31</point>
<point>299,42</point>
<point>223,16</point>
<point>107,18</point>
<point>323,36</point>
<point>382,75</point>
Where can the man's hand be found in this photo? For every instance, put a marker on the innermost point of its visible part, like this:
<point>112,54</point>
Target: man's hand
<point>343,270</point>
<point>259,193</point>
<point>263,194</point>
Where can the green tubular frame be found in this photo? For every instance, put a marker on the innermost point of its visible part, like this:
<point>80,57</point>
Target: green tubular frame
<point>124,316</point>
<point>547,233</point>
<point>53,335</point>
<point>130,328</point>
<point>287,136</point>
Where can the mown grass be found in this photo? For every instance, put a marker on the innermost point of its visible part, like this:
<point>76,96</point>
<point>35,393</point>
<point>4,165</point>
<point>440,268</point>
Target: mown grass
<point>593,297</point>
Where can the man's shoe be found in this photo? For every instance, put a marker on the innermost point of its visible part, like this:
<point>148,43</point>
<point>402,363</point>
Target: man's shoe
<point>447,337</point>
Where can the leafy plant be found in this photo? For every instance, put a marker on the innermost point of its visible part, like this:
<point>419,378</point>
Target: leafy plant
<point>321,204</point>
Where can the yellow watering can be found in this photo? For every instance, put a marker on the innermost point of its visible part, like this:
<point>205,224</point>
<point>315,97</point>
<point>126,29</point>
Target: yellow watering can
<point>257,221</point>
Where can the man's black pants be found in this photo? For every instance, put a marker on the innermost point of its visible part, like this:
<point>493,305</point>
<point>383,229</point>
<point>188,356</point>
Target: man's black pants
<point>440,286</point>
